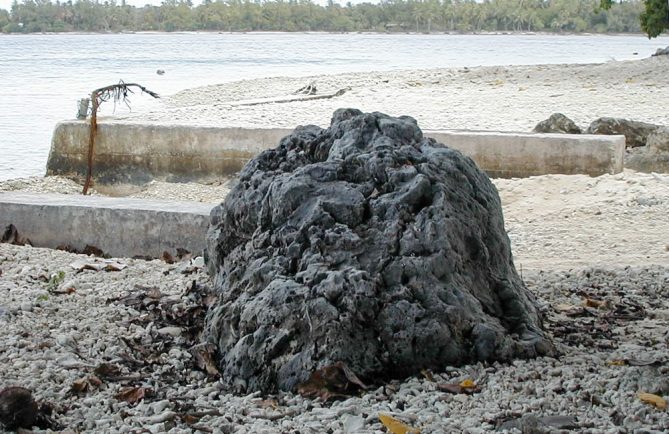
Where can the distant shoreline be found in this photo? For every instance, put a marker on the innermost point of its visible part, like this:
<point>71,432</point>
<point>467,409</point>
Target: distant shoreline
<point>450,33</point>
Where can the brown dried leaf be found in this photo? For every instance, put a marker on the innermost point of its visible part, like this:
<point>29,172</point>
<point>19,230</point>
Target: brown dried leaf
<point>167,257</point>
<point>427,374</point>
<point>85,384</point>
<point>204,358</point>
<point>396,426</point>
<point>654,400</point>
<point>332,381</point>
<point>268,403</point>
<point>450,388</point>
<point>80,385</point>
<point>107,370</point>
<point>467,386</point>
<point>597,304</point>
<point>189,419</point>
<point>133,395</point>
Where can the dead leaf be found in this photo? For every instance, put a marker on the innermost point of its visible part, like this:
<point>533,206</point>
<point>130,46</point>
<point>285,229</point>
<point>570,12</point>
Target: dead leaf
<point>597,304</point>
<point>107,370</point>
<point>334,381</point>
<point>133,395</point>
<point>204,358</point>
<point>396,426</point>
<point>569,309</point>
<point>64,290</point>
<point>654,400</point>
<point>617,362</point>
<point>92,251</point>
<point>167,257</point>
<point>427,374</point>
<point>466,386</point>
<point>183,254</point>
<point>85,384</point>
<point>268,403</point>
<point>97,264</point>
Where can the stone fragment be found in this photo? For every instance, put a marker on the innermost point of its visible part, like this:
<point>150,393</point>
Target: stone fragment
<point>366,244</point>
<point>635,132</point>
<point>658,140</point>
<point>557,123</point>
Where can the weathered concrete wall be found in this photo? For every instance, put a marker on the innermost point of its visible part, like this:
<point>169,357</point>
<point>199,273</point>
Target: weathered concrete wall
<point>118,226</point>
<point>509,155</point>
<point>134,154</point>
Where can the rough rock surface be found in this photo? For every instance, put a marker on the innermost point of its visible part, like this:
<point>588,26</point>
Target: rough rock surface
<point>364,243</point>
<point>557,123</point>
<point>635,132</point>
<point>658,140</point>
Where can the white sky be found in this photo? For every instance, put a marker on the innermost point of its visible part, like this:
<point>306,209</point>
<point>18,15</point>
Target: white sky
<point>7,4</point>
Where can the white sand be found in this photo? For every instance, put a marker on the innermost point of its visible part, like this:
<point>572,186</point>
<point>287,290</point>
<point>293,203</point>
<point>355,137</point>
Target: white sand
<point>513,98</point>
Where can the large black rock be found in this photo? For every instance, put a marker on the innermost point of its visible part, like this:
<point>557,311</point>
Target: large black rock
<point>365,243</point>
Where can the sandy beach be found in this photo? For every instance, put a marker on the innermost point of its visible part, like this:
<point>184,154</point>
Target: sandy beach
<point>574,239</point>
<point>503,98</point>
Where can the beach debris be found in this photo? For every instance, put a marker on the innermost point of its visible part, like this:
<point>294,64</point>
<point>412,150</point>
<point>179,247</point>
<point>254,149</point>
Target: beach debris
<point>133,394</point>
<point>11,236</point>
<point>160,71</point>
<point>557,123</point>
<point>97,264</point>
<point>309,89</point>
<point>119,93</point>
<point>357,239</point>
<point>653,400</point>
<point>282,100</point>
<point>334,381</point>
<point>467,386</point>
<point>87,250</point>
<point>636,133</point>
<point>85,384</point>
<point>204,356</point>
<point>396,426</point>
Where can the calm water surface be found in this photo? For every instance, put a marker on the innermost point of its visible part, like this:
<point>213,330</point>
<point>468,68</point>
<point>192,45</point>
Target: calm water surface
<point>42,76</point>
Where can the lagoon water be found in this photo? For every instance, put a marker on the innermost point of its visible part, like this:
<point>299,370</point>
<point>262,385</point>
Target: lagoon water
<point>43,76</point>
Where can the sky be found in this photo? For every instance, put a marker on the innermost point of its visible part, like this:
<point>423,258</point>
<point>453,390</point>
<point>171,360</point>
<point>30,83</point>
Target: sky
<point>7,4</point>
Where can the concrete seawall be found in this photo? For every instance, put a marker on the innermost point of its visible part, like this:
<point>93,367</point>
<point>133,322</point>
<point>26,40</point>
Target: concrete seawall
<point>118,226</point>
<point>136,153</point>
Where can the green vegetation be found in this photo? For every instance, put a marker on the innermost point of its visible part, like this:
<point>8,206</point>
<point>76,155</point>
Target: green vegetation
<point>303,15</point>
<point>655,17</point>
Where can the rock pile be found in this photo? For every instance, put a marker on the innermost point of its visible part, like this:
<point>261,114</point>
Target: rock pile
<point>557,123</point>
<point>366,244</point>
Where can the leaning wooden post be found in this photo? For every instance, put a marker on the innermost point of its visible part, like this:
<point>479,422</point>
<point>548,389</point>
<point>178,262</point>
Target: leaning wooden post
<point>92,131</point>
<point>120,93</point>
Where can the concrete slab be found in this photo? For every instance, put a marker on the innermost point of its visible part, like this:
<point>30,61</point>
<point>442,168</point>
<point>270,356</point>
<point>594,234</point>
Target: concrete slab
<point>135,153</point>
<point>121,227</point>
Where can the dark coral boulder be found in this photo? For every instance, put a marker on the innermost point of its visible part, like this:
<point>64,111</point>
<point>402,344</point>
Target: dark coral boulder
<point>368,244</point>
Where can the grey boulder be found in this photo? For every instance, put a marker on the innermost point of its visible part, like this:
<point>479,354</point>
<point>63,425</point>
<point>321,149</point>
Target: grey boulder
<point>368,244</point>
<point>557,123</point>
<point>635,132</point>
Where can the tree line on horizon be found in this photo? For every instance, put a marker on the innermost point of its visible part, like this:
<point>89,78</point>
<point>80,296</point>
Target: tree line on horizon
<point>577,16</point>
